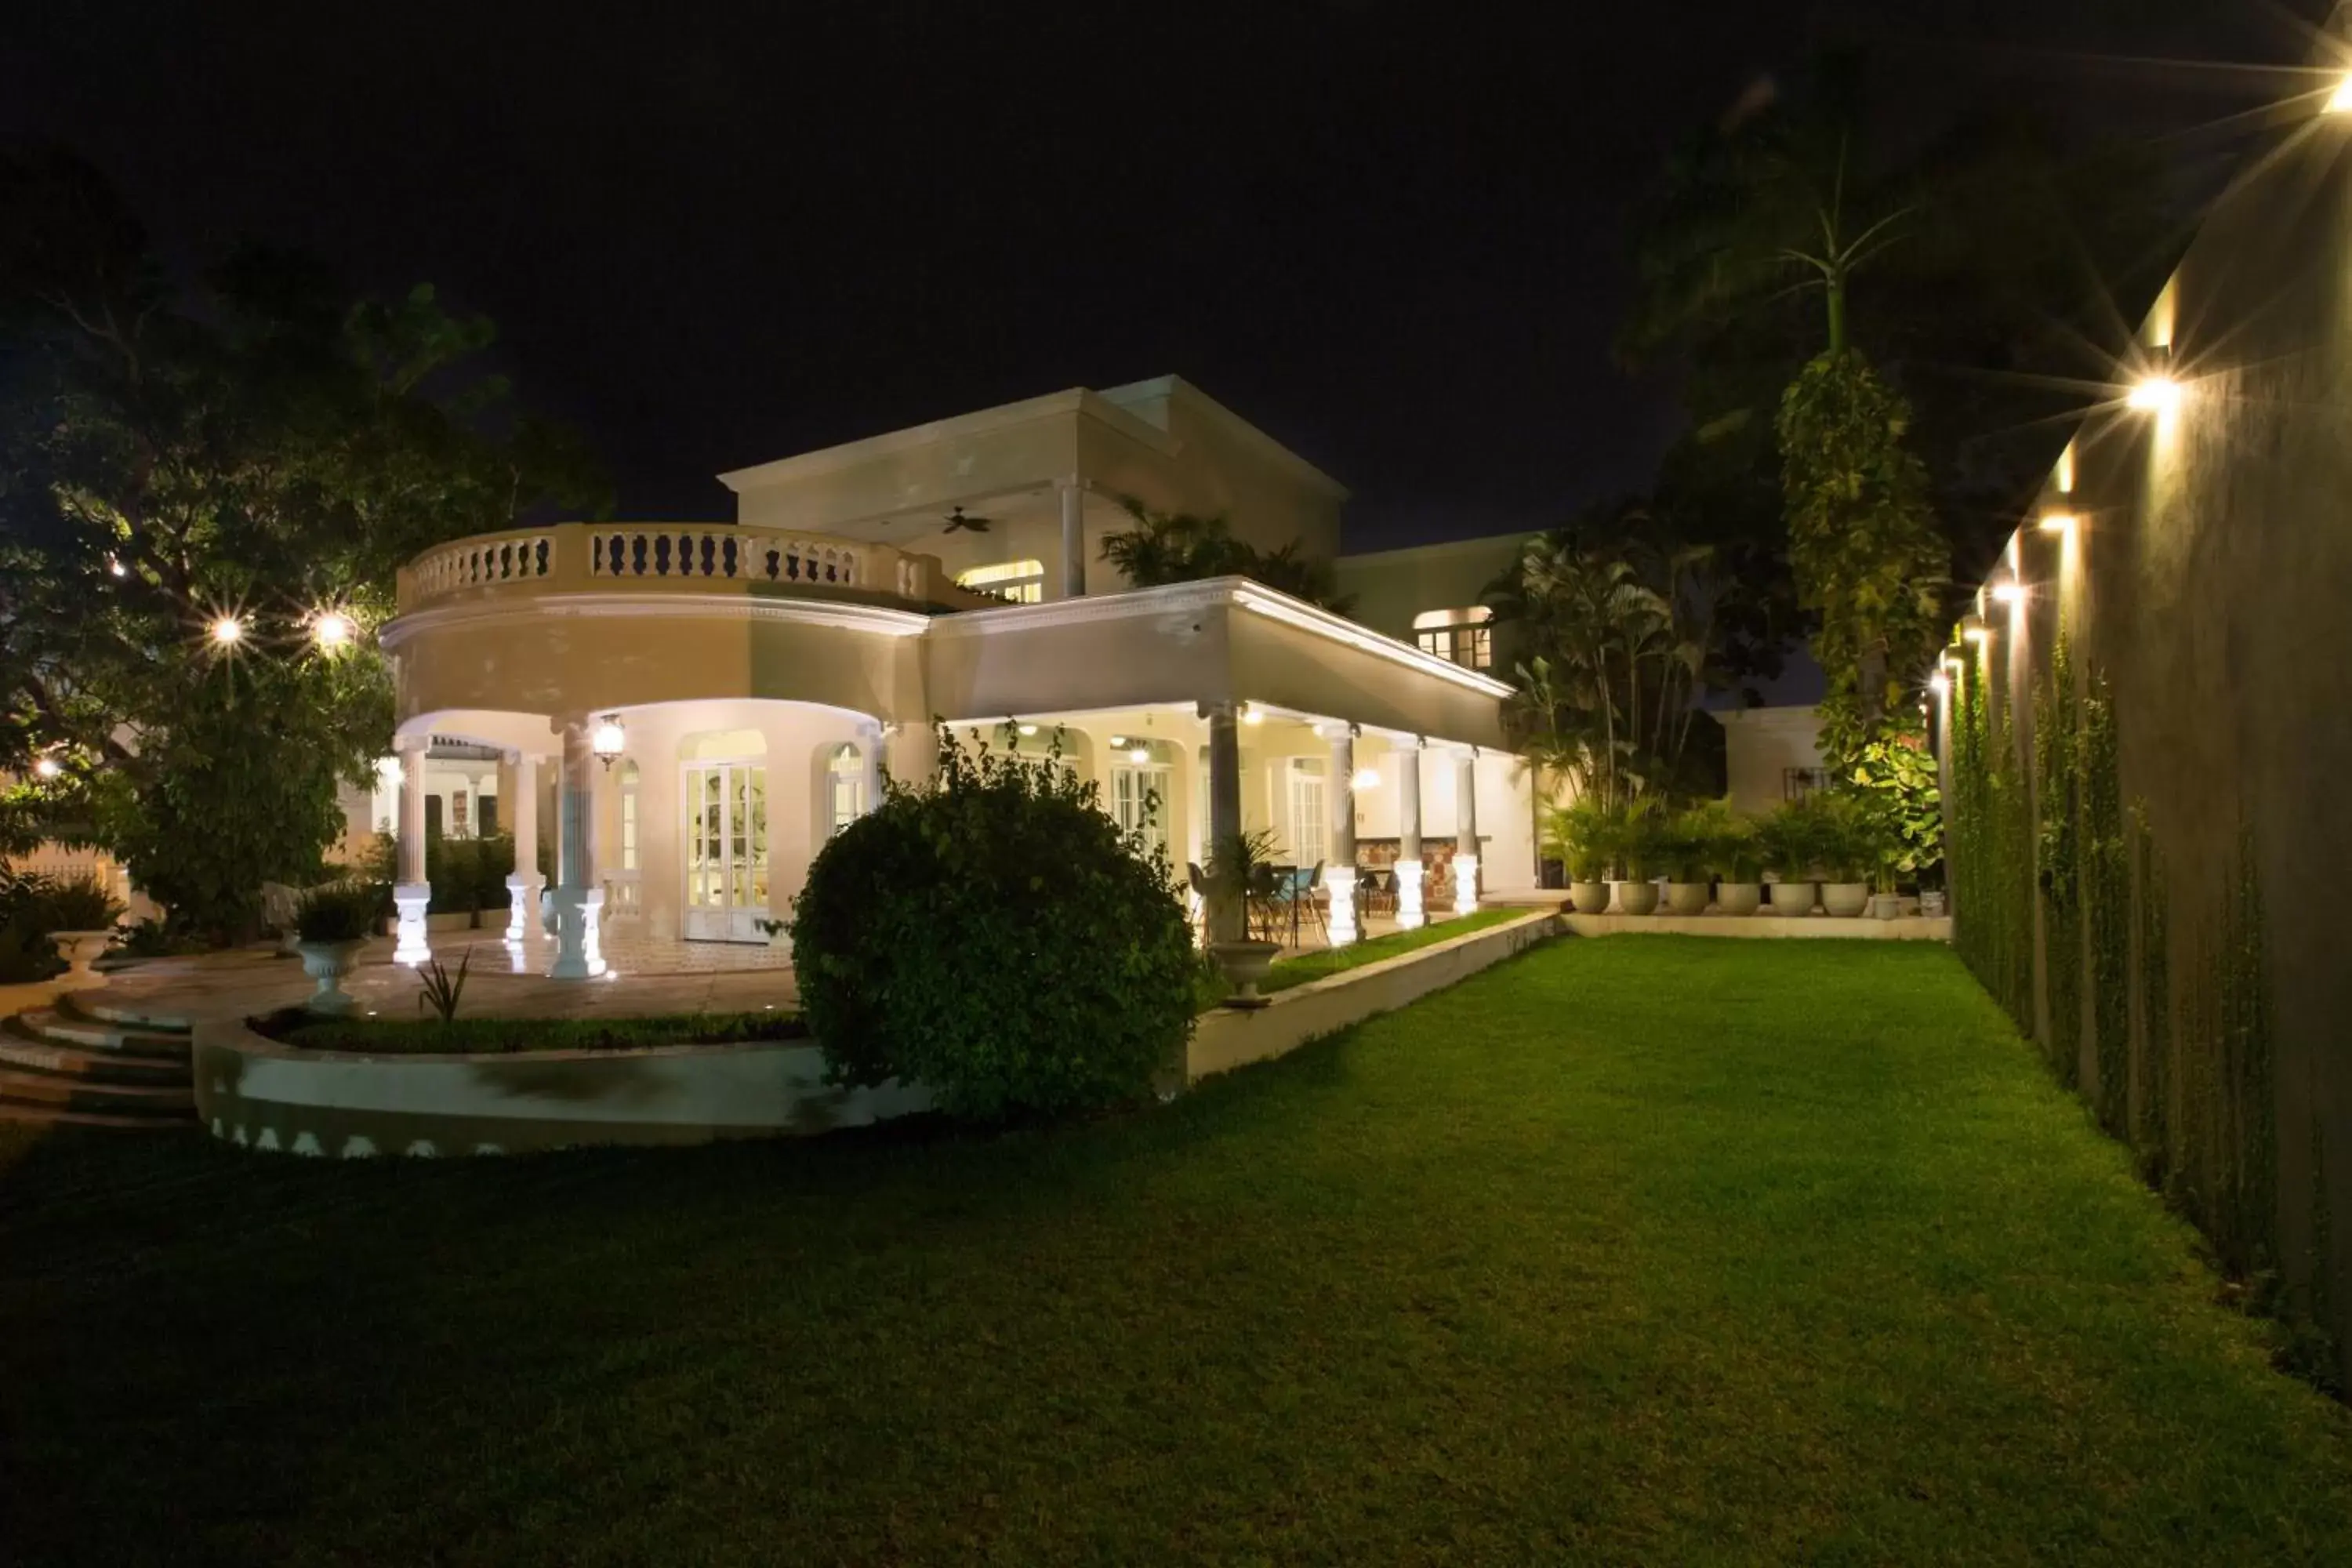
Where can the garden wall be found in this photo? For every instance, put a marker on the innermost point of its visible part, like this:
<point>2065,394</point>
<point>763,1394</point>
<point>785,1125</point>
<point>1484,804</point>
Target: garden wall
<point>2147,755</point>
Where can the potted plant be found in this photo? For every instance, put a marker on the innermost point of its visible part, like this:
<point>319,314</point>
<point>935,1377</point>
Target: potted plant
<point>1788,842</point>
<point>1685,844</point>
<point>1583,837</point>
<point>1850,854</point>
<point>1730,846</point>
<point>1641,843</point>
<point>332,923</point>
<point>1235,865</point>
<point>79,916</point>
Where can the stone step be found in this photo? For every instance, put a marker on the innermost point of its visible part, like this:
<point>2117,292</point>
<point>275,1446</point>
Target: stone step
<point>49,1027</point>
<point>54,1116</point>
<point>84,1063</point>
<point>20,1086</point>
<point>97,1007</point>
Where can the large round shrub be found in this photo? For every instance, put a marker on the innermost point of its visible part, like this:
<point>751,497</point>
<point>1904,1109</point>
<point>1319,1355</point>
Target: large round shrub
<point>993,936</point>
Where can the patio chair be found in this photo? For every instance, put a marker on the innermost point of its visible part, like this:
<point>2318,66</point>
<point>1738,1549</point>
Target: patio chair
<point>1303,901</point>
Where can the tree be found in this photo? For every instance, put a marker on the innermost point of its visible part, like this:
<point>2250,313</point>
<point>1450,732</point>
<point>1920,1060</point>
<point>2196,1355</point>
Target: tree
<point>204,491</point>
<point>1179,547</point>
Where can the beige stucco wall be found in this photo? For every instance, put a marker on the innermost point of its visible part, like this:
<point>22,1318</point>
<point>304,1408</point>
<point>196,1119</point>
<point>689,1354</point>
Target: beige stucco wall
<point>1392,586</point>
<point>1760,745</point>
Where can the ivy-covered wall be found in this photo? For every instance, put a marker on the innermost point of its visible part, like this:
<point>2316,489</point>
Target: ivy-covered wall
<point>2147,750</point>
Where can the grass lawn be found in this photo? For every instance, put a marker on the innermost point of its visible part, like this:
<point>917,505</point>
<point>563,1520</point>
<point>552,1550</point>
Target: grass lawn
<point>1651,1248</point>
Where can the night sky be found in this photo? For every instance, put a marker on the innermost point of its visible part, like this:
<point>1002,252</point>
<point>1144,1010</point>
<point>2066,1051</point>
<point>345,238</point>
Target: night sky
<point>1391,235</point>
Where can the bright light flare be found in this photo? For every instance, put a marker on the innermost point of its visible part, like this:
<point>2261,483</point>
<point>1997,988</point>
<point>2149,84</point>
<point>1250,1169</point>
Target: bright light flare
<point>2154,395</point>
<point>332,630</point>
<point>2008,593</point>
<point>609,739</point>
<point>226,631</point>
<point>1977,634</point>
<point>1141,754</point>
<point>2057,521</point>
<point>1253,714</point>
<point>47,768</point>
<point>1365,778</point>
<point>2340,100</point>
<point>1939,683</point>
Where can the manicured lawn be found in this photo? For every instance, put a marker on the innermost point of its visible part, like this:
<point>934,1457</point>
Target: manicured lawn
<point>1643,1250</point>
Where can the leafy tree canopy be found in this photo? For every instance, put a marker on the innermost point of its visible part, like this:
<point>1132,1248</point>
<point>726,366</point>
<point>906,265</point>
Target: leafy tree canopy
<point>1178,547</point>
<point>249,450</point>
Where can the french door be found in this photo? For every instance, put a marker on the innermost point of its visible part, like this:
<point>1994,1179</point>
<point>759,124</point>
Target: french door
<point>723,810</point>
<point>1139,804</point>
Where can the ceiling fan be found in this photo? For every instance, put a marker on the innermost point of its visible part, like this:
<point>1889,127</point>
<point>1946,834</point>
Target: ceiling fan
<point>957,521</point>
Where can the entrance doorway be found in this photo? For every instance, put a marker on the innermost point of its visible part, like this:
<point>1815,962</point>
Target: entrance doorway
<point>724,807</point>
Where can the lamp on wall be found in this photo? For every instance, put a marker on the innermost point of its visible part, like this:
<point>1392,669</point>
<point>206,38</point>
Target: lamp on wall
<point>1365,778</point>
<point>2008,591</point>
<point>608,740</point>
<point>2057,521</point>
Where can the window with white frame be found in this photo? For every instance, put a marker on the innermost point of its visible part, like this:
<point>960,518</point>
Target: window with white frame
<point>629,815</point>
<point>1143,786</point>
<point>1308,820</point>
<point>1020,582</point>
<point>1465,636</point>
<point>846,786</point>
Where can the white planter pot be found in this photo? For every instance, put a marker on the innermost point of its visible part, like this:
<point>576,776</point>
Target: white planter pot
<point>1636,898</point>
<point>1688,897</point>
<point>327,963</point>
<point>1739,897</point>
<point>1792,898</point>
<point>1844,901</point>
<point>81,949</point>
<point>1886,906</point>
<point>1244,964</point>
<point>1931,904</point>
<point>1587,898</point>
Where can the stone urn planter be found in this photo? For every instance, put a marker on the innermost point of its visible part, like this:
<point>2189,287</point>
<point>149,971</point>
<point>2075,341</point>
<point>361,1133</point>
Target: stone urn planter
<point>327,963</point>
<point>1932,905</point>
<point>81,949</point>
<point>1587,898</point>
<point>1688,897</point>
<point>1636,898</point>
<point>1886,906</point>
<point>1846,899</point>
<point>1792,898</point>
<point>1244,964</point>
<point>1740,898</point>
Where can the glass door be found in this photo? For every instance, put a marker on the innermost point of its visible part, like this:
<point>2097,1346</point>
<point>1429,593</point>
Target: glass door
<point>1139,802</point>
<point>724,822</point>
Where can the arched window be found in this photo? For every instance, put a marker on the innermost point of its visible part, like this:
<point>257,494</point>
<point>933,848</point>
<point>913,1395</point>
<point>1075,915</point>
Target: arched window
<point>844,775</point>
<point>1017,582</point>
<point>1462,635</point>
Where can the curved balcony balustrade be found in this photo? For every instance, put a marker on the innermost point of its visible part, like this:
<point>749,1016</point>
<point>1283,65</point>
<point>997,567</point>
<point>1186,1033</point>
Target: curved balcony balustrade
<point>691,558</point>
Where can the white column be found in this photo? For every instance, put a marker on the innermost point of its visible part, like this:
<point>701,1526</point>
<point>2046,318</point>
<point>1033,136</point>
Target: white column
<point>1226,921</point>
<point>914,751</point>
<point>1409,868</point>
<point>872,737</point>
<point>1465,832</point>
<point>578,902</point>
<point>1074,536</point>
<point>1339,867</point>
<point>522,887</point>
<point>412,893</point>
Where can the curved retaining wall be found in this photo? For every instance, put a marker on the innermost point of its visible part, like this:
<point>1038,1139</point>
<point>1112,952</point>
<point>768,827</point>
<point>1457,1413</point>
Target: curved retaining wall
<point>256,1094</point>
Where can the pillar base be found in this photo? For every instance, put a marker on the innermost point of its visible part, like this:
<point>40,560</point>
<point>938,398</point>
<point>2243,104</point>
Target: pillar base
<point>1340,882</point>
<point>522,914</point>
<point>579,953</point>
<point>409,942</point>
<point>1465,884</point>
<point>1409,875</point>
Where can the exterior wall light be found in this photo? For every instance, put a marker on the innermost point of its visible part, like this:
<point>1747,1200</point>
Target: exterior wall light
<point>1365,778</point>
<point>2008,593</point>
<point>1253,714</point>
<point>226,631</point>
<point>2340,100</point>
<point>47,768</point>
<point>608,740</point>
<point>1026,729</point>
<point>2154,395</point>
<point>1117,742</point>
<point>333,630</point>
<point>1139,755</point>
<point>2057,521</point>
<point>1939,683</point>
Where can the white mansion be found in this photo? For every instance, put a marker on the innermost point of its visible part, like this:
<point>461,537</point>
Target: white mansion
<point>694,707</point>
